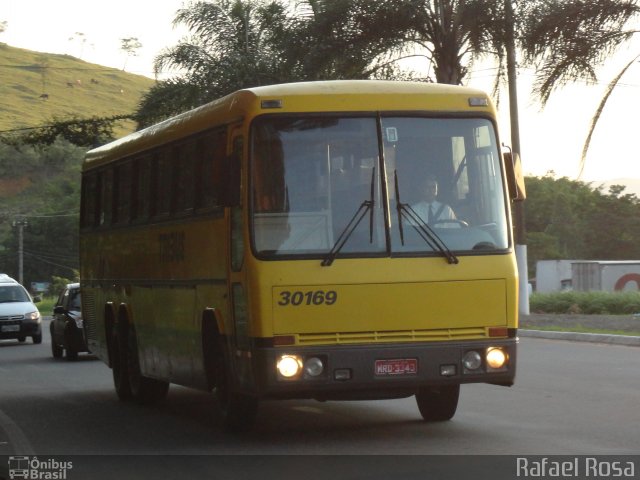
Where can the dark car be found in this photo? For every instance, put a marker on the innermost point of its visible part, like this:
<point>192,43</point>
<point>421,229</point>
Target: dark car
<point>67,326</point>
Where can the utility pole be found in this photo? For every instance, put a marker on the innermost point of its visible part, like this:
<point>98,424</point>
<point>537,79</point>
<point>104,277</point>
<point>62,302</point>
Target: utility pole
<point>518,207</point>
<point>20,223</point>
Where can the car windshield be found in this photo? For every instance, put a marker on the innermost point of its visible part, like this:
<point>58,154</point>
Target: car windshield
<point>320,189</point>
<point>13,293</point>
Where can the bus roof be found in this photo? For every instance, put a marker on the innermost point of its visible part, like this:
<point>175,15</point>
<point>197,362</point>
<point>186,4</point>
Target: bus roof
<point>321,96</point>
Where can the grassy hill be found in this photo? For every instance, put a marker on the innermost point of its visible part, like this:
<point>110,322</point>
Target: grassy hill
<point>36,87</point>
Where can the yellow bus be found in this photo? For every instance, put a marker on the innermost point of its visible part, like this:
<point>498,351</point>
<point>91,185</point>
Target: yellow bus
<point>288,241</point>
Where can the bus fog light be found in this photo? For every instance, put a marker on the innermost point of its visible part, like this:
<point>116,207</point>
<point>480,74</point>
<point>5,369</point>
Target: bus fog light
<point>448,370</point>
<point>472,360</point>
<point>289,366</point>
<point>496,358</point>
<point>313,367</point>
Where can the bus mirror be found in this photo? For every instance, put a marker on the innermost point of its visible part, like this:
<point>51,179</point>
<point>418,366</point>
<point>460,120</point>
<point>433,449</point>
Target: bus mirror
<point>231,182</point>
<point>515,178</point>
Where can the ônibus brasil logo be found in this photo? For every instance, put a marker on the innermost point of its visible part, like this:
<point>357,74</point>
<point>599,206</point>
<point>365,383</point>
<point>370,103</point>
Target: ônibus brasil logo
<point>34,469</point>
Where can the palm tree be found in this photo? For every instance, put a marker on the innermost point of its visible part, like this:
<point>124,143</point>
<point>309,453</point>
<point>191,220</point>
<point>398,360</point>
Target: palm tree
<point>567,40</point>
<point>232,44</point>
<point>243,43</point>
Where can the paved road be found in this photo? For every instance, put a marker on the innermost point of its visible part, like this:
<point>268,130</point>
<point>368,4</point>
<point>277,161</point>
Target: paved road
<point>570,398</point>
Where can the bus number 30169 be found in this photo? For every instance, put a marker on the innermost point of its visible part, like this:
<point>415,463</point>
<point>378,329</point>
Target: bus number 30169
<point>313,297</point>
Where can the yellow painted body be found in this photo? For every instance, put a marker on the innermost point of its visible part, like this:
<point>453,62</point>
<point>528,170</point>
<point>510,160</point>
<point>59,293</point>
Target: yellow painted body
<point>419,298</point>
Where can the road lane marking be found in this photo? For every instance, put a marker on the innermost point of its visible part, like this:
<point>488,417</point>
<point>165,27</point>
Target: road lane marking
<point>17,438</point>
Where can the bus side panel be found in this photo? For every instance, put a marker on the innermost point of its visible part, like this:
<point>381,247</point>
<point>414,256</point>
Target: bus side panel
<point>166,276</point>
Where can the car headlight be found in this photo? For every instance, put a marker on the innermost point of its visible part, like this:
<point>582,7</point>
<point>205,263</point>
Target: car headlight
<point>33,316</point>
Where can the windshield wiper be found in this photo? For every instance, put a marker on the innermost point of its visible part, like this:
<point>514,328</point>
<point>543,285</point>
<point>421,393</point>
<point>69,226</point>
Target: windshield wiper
<point>366,206</point>
<point>419,225</point>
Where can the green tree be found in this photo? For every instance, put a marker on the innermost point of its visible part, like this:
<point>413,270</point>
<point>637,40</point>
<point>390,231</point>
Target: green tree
<point>130,47</point>
<point>49,200</point>
<point>573,219</point>
<point>88,132</point>
<point>232,44</point>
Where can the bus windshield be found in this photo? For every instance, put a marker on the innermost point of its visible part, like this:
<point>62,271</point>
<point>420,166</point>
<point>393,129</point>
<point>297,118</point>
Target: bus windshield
<point>318,185</point>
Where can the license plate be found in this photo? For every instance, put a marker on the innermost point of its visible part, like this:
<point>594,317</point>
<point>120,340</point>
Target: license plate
<point>10,328</point>
<point>397,366</point>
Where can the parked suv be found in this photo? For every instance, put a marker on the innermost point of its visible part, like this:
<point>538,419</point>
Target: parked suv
<point>19,317</point>
<point>67,326</point>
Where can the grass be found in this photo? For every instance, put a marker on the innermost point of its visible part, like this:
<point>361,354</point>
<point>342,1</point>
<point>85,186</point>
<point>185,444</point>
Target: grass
<point>73,88</point>
<point>45,306</point>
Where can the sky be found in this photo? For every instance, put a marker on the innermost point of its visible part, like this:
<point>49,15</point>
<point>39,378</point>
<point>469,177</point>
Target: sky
<point>551,139</point>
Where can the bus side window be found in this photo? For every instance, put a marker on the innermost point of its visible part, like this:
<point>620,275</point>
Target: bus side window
<point>106,197</point>
<point>140,182</point>
<point>210,152</point>
<point>122,207</point>
<point>163,185</point>
<point>182,177</point>
<point>89,200</point>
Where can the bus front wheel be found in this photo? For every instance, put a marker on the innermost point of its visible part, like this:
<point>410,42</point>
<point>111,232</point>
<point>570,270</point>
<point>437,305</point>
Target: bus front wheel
<point>438,404</point>
<point>238,411</point>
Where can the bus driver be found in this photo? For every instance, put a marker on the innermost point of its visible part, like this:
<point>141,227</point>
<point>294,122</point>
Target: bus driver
<point>429,209</point>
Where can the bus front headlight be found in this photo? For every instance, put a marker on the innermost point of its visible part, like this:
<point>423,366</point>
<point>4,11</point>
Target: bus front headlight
<point>289,366</point>
<point>496,358</point>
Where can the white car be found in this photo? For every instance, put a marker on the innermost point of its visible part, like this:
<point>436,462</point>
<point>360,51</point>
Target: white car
<point>19,317</point>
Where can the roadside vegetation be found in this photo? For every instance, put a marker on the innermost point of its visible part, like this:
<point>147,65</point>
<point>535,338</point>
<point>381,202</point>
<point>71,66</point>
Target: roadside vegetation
<point>586,303</point>
<point>610,313</point>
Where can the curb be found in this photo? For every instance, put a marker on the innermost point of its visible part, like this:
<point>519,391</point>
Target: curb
<point>582,337</point>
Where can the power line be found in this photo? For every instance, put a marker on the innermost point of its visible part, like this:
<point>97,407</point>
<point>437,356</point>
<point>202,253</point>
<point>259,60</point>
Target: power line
<point>53,256</point>
<point>50,263</point>
<point>55,215</point>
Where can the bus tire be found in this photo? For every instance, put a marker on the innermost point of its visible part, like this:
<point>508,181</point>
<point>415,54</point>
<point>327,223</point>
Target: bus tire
<point>119,362</point>
<point>237,411</point>
<point>144,390</point>
<point>438,404</point>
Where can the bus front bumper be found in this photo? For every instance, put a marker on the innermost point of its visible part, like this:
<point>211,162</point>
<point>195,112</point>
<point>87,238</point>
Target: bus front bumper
<point>380,371</point>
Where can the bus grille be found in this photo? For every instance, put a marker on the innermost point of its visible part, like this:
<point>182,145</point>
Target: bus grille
<point>391,337</point>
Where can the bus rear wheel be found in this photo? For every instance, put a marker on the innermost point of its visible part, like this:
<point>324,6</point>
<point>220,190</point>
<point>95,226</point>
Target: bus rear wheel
<point>237,411</point>
<point>144,390</point>
<point>438,404</point>
<point>119,363</point>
